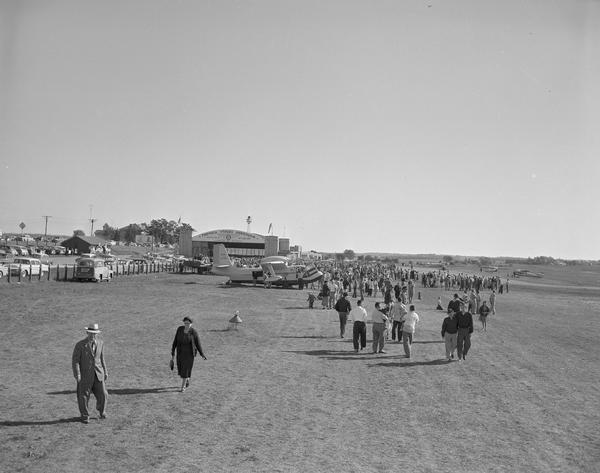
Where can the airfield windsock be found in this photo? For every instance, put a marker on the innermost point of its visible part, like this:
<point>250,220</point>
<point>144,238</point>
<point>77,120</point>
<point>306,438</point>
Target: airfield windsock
<point>269,231</point>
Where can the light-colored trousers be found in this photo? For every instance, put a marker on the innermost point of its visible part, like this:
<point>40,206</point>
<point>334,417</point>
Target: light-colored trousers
<point>407,339</point>
<point>378,336</point>
<point>450,339</point>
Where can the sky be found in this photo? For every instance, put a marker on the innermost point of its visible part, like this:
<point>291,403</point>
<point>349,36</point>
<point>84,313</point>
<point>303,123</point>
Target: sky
<point>461,127</point>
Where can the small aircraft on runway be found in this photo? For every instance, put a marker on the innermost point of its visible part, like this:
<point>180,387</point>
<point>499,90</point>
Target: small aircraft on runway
<point>527,273</point>
<point>490,269</point>
<point>274,270</point>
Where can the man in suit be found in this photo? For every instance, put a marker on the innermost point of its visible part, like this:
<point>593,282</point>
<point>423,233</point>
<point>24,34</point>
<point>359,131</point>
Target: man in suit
<point>90,372</point>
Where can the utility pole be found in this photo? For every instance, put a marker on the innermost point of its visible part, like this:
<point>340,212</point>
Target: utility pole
<point>92,220</point>
<point>46,226</point>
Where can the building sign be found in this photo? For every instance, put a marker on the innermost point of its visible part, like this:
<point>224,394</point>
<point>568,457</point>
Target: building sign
<point>230,236</point>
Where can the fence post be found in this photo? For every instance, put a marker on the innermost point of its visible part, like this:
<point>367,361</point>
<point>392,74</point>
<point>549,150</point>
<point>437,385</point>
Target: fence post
<point>49,269</point>
<point>58,272</point>
<point>20,269</point>
<point>29,275</point>
<point>66,271</point>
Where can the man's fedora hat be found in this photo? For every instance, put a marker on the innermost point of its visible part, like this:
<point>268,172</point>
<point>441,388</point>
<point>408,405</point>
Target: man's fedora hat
<point>93,328</point>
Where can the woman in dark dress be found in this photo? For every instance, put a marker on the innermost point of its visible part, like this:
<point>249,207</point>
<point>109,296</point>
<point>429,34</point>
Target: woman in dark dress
<point>187,343</point>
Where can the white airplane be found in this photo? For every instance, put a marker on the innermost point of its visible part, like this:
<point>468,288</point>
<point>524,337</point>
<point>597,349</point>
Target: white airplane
<point>527,273</point>
<point>490,269</point>
<point>273,269</point>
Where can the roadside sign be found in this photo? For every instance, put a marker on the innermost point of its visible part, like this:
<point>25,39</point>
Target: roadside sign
<point>22,225</point>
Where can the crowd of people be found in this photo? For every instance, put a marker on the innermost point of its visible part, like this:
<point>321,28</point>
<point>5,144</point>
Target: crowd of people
<point>395,317</point>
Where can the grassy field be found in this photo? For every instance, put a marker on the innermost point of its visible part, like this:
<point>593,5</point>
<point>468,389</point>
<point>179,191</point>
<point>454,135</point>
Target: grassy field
<point>284,393</point>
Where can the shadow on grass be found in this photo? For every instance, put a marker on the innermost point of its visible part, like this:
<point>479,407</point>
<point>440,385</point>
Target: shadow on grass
<point>125,391</point>
<point>346,355</point>
<point>322,352</point>
<point>15,423</point>
<point>409,364</point>
<point>305,336</point>
<point>296,307</point>
<point>428,341</point>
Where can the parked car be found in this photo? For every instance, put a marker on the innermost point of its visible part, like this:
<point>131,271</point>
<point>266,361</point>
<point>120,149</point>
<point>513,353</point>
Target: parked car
<point>3,270</point>
<point>26,266</point>
<point>92,269</point>
<point>21,250</point>
<point>10,250</point>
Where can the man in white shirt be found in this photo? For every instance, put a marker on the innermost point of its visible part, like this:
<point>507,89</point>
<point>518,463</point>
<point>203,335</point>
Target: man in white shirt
<point>359,329</point>
<point>408,329</point>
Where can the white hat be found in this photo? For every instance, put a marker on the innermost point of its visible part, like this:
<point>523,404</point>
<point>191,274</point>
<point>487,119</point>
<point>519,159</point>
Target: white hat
<point>93,328</point>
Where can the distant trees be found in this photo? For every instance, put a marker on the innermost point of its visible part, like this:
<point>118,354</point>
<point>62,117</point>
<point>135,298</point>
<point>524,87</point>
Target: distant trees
<point>541,260</point>
<point>107,232</point>
<point>78,233</point>
<point>445,259</point>
<point>129,232</point>
<point>349,254</point>
<point>485,261</point>
<point>163,231</point>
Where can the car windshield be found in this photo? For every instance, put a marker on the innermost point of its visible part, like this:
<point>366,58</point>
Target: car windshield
<point>86,263</point>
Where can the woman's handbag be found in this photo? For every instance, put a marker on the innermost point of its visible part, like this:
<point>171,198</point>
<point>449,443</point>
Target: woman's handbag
<point>171,364</point>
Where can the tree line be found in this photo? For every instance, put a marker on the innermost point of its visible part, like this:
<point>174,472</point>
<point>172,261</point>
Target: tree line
<point>164,231</point>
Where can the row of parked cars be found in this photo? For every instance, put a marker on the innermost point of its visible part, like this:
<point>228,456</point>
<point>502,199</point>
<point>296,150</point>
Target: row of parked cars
<point>86,269</point>
<point>18,250</point>
<point>24,266</point>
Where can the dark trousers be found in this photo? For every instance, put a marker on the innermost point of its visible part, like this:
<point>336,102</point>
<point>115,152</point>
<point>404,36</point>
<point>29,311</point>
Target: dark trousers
<point>397,328</point>
<point>343,320</point>
<point>83,397</point>
<point>359,331</point>
<point>463,342</point>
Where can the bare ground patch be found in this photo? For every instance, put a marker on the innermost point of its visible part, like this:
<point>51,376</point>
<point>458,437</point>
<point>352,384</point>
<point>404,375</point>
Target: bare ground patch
<point>284,393</point>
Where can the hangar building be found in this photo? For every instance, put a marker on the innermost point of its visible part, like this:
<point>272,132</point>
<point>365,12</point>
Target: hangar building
<point>237,242</point>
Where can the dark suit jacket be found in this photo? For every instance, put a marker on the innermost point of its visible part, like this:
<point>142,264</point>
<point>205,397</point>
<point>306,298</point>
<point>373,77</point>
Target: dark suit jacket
<point>87,364</point>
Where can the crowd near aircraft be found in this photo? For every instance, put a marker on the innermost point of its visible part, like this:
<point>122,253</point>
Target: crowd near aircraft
<point>274,270</point>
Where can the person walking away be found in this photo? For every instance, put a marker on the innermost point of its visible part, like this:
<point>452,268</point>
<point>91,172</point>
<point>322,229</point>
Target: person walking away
<point>186,343</point>
<point>484,311</point>
<point>450,334</point>
<point>408,330</point>
<point>325,295</point>
<point>89,369</point>
<point>465,329</point>
<point>454,304</point>
<point>411,290</point>
<point>359,329</point>
<point>493,302</point>
<point>343,307</point>
<point>397,314</point>
<point>379,319</point>
<point>311,300</point>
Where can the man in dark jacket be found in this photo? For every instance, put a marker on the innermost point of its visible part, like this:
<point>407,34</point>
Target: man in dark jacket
<point>450,334</point>
<point>464,321</point>
<point>454,304</point>
<point>343,307</point>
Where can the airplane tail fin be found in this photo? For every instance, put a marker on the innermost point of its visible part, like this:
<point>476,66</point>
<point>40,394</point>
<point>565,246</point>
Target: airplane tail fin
<point>221,257</point>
